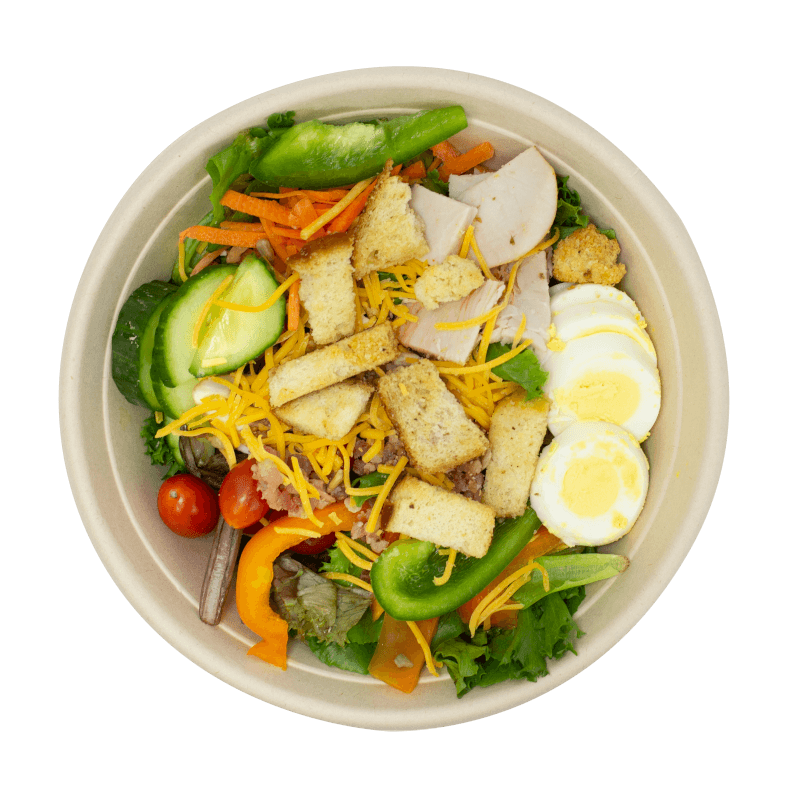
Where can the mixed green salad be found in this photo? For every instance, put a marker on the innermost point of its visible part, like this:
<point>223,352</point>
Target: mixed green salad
<point>303,497</point>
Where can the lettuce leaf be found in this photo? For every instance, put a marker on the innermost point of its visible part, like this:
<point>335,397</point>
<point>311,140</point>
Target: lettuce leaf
<point>569,214</point>
<point>158,449</point>
<point>339,562</point>
<point>523,369</point>
<point>544,630</point>
<point>356,652</point>
<point>368,480</point>
<point>315,606</point>
<point>234,160</point>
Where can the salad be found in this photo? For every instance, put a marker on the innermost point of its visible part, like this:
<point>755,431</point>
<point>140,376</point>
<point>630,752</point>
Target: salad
<point>398,385</point>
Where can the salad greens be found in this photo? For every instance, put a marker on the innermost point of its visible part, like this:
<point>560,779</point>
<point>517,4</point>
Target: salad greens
<point>334,617</point>
<point>235,160</point>
<point>159,450</point>
<point>544,630</point>
<point>523,369</point>
<point>569,214</point>
<point>367,481</point>
<point>315,606</point>
<point>318,155</point>
<point>356,652</point>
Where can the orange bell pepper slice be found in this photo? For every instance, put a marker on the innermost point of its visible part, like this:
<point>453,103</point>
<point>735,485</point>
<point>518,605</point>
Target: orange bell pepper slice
<point>255,573</point>
<point>397,640</point>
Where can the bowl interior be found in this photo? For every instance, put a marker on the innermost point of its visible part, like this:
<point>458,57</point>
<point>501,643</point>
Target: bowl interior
<point>115,487</point>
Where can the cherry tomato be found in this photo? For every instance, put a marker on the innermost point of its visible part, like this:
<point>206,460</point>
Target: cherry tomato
<point>188,506</point>
<point>310,547</point>
<point>240,501</point>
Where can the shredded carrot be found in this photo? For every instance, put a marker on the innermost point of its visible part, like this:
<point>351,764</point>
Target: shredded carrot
<point>211,235</point>
<point>303,212</point>
<point>348,216</point>
<point>331,214</point>
<point>469,160</point>
<point>275,239</point>
<point>206,260</point>
<point>287,233</point>
<point>416,170</point>
<point>293,307</point>
<point>445,150</point>
<point>327,196</point>
<point>263,209</point>
<point>435,164</point>
<point>230,225</point>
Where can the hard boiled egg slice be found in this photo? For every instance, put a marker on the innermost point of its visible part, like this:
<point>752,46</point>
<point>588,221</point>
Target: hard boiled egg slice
<point>606,377</point>
<point>563,295</point>
<point>590,484</point>
<point>601,316</point>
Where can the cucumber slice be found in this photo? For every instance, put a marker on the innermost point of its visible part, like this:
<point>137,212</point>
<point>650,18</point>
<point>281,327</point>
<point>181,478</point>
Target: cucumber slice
<point>176,400</point>
<point>173,350</point>
<point>174,444</point>
<point>232,338</point>
<point>132,342</point>
<point>146,355</point>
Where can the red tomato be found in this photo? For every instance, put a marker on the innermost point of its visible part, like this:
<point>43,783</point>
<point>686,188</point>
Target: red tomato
<point>311,547</point>
<point>188,506</point>
<point>240,501</point>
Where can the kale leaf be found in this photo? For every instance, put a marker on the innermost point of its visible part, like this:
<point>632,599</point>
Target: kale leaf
<point>159,450</point>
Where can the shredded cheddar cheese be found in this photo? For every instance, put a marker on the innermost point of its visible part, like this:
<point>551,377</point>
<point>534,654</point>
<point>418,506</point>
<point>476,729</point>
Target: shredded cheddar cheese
<point>448,568</point>
<point>326,217</point>
<point>520,331</point>
<point>426,649</point>
<point>207,308</point>
<point>343,576</point>
<point>487,365</point>
<point>268,303</point>
<point>346,547</point>
<point>287,531</point>
<point>470,323</point>
<point>374,516</point>
<point>497,599</point>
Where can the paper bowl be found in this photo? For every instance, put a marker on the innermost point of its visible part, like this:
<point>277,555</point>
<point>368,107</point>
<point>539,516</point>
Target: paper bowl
<point>115,487</point>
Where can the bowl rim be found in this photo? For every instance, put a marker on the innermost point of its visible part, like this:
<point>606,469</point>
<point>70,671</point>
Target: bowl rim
<point>79,454</point>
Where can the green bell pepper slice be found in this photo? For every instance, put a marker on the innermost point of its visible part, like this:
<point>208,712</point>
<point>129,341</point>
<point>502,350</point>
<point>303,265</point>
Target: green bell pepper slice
<point>566,572</point>
<point>402,577</point>
<point>319,155</point>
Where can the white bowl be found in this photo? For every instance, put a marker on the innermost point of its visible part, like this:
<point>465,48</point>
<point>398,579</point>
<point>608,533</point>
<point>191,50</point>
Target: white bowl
<point>115,487</point>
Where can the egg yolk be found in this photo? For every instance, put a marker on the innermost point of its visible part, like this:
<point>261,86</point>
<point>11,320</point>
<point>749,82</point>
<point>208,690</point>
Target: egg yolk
<point>590,486</point>
<point>607,396</point>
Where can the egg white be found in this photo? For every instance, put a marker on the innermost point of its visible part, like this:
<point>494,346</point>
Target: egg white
<point>563,295</point>
<point>601,316</point>
<point>597,366</point>
<point>609,506</point>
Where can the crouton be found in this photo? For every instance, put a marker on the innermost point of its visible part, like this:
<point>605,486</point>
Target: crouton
<point>327,291</point>
<point>588,256</point>
<point>451,280</point>
<point>332,364</point>
<point>329,413</point>
<point>388,231</point>
<point>433,426</point>
<point>433,514</point>
<point>516,435</point>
